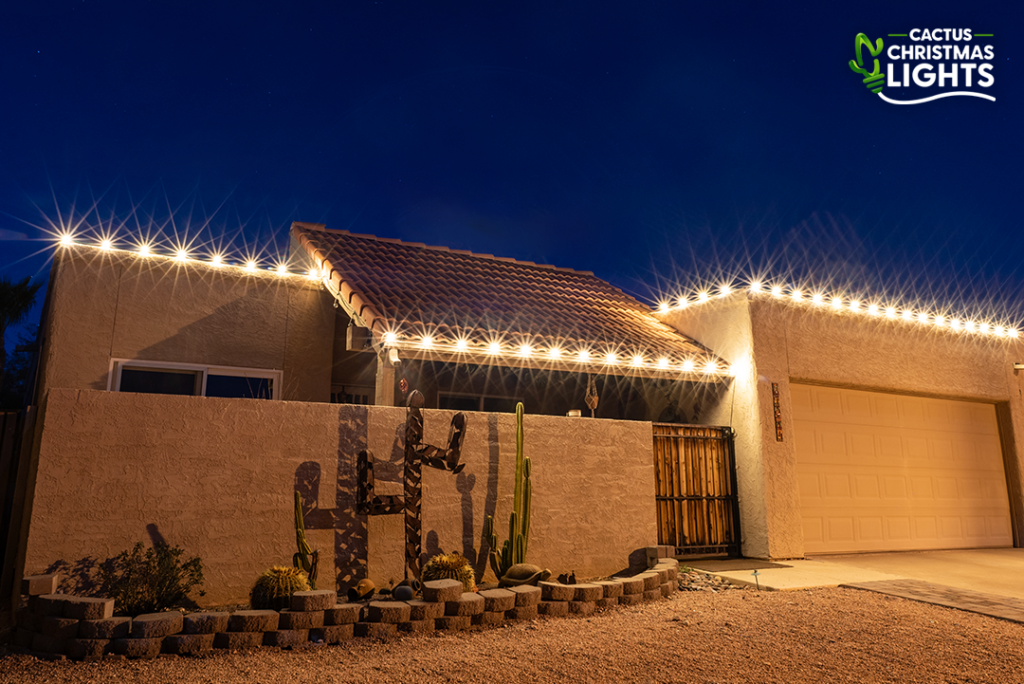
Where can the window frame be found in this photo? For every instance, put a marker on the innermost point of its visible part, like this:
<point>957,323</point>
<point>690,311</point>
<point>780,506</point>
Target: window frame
<point>117,366</point>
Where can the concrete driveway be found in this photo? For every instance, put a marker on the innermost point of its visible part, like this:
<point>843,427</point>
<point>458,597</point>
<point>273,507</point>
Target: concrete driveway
<point>992,571</point>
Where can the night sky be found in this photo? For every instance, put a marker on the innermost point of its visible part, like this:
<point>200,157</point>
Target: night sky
<point>658,144</point>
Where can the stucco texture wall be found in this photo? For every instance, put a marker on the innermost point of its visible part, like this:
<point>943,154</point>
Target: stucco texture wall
<point>119,305</point>
<point>217,476</point>
<point>778,341</point>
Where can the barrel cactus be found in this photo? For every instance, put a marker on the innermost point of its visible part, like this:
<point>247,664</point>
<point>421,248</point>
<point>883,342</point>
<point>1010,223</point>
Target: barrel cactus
<point>450,566</point>
<point>274,588</point>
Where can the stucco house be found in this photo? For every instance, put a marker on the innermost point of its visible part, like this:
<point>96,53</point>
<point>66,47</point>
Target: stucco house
<point>189,398</point>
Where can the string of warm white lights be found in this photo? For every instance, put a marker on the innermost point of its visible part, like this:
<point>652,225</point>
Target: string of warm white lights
<point>835,302</point>
<point>584,357</point>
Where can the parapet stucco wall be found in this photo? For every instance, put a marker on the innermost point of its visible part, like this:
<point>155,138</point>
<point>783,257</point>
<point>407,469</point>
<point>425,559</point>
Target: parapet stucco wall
<point>778,341</point>
<point>217,476</point>
<point>105,305</point>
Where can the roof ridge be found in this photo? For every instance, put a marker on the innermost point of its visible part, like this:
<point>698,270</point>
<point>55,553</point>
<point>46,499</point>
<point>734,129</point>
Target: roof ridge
<point>442,248</point>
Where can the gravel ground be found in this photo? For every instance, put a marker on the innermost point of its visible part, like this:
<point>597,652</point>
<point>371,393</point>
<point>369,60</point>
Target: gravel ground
<point>830,635</point>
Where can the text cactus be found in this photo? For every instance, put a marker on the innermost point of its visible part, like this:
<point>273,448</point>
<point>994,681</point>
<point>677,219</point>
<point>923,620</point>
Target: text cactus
<point>513,551</point>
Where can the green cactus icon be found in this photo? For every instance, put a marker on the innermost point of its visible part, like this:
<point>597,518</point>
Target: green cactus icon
<point>874,80</point>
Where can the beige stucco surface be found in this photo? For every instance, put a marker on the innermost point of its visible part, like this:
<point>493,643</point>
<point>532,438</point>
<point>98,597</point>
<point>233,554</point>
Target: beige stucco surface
<point>217,476</point>
<point>119,305</point>
<point>779,341</point>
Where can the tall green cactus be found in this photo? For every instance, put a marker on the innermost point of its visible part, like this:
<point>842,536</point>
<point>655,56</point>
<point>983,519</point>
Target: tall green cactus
<point>306,559</point>
<point>513,551</point>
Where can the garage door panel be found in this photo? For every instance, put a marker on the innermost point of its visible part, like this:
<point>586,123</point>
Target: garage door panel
<point>881,472</point>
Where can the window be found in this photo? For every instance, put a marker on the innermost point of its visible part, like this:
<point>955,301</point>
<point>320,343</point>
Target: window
<point>475,402</point>
<point>345,394</point>
<point>156,377</point>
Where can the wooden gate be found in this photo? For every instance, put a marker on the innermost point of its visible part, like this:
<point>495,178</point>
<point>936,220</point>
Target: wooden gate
<point>695,479</point>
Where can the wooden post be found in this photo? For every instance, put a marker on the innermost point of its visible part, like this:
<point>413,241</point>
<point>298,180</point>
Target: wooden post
<point>384,386</point>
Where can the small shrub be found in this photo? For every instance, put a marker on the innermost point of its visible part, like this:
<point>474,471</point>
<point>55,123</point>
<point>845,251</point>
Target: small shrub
<point>149,580</point>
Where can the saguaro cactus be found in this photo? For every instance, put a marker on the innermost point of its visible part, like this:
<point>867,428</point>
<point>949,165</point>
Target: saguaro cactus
<point>513,551</point>
<point>306,559</point>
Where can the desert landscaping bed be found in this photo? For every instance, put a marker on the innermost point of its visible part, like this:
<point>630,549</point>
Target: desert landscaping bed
<point>833,635</point>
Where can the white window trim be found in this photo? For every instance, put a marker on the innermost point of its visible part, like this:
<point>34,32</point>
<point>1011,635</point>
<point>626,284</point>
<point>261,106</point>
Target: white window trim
<point>117,365</point>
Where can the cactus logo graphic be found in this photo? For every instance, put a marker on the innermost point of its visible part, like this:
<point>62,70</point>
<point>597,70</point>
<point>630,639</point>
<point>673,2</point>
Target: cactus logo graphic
<point>936,63</point>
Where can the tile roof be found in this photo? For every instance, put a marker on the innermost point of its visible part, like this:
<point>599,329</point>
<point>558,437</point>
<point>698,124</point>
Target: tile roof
<point>414,291</point>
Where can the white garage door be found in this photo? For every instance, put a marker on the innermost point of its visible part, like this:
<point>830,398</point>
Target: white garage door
<point>885,472</point>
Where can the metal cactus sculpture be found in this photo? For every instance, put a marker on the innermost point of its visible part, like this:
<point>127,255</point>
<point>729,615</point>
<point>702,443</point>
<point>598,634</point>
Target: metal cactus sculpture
<point>513,551</point>
<point>416,454</point>
<point>306,559</point>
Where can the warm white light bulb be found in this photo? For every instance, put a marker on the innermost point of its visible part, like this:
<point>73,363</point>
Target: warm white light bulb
<point>939,321</point>
<point>683,302</point>
<point>955,324</point>
<point>1000,331</point>
<point>890,312</point>
<point>313,274</point>
<point>854,305</point>
<point>984,328</point>
<point>282,270</point>
<point>837,303</point>
<point>725,291</point>
<point>703,296</point>
<point>688,365</point>
<point>818,299</point>
<point>756,286</point>
<point>525,350</point>
<point>181,255</point>
<point>250,265</point>
<point>583,355</point>
<point>494,348</point>
<point>389,339</point>
<point>907,315</point>
<point>922,317</point>
<point>610,358</point>
<point>217,260</point>
<point>427,341</point>
<point>873,309</point>
<point>461,345</point>
<point>67,239</point>
<point>969,326</point>
<point>663,307</point>
<point>797,295</point>
<point>662,362</point>
<point>638,361</point>
<point>776,291</point>
<point>106,245</point>
<point>1012,332</point>
<point>710,367</point>
<point>144,250</point>
<point>555,353</point>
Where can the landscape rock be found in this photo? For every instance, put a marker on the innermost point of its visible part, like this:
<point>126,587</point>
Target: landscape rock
<point>467,604</point>
<point>85,608</point>
<point>442,591</point>
<point>253,621</point>
<point>237,640</point>
<point>389,611</point>
<point>110,628</point>
<point>342,614</point>
<point>553,591</point>
<point>316,599</point>
<point>498,600</point>
<point>184,644</point>
<point>333,634</point>
<point>154,625</point>
<point>526,596</point>
<point>286,638</point>
<point>206,623</point>
<point>290,619</point>
<point>425,610</point>
<point>137,648</point>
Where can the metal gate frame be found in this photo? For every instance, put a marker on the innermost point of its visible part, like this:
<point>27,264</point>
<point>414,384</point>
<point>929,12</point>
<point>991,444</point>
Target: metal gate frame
<point>696,489</point>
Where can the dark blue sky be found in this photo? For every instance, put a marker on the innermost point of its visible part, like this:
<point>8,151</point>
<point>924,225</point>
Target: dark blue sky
<point>655,143</point>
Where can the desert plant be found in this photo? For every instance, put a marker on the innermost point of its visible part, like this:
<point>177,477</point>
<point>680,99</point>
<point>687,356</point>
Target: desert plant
<point>450,566</point>
<point>513,551</point>
<point>148,580</point>
<point>306,559</point>
<point>274,588</point>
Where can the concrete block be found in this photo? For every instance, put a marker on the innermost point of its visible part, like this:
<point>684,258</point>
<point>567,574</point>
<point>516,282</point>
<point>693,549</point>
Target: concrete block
<point>662,573</point>
<point>553,591</point>
<point>670,571</point>
<point>652,595</point>
<point>317,599</point>
<point>286,638</point>
<point>291,619</point>
<point>651,580</point>
<point>388,611</point>
<point>467,604</point>
<point>206,623</point>
<point>526,596</point>
<point>60,628</point>
<point>553,608</point>
<point>88,650</point>
<point>111,628</point>
<point>612,589</point>
<point>23,638</point>
<point>582,607</point>
<point>44,643</point>
<point>489,617</point>
<point>608,602</point>
<point>631,585</point>
<point>442,591</point>
<point>48,605</point>
<point>416,626</point>
<point>376,630</point>
<point>333,634</point>
<point>668,562</point>
<point>498,600</point>
<point>342,614</point>
<point>653,554</point>
<point>253,621</point>
<point>425,610</point>
<point>452,623</point>
<point>631,599</point>
<point>667,588</point>
<point>38,585</point>
<point>27,620</point>
<point>237,640</point>
<point>153,625</point>
<point>186,644</point>
<point>137,648</point>
<point>666,551</point>
<point>588,592</point>
<point>522,613</point>
<point>85,608</point>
